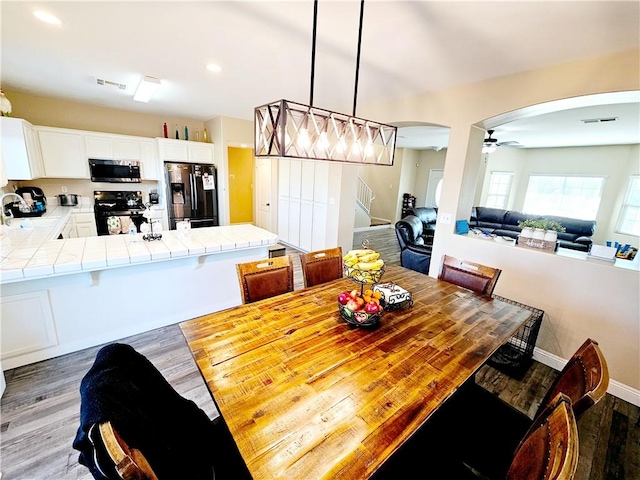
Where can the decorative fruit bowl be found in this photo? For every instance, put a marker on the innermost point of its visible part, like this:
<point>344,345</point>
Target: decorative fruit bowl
<point>360,318</point>
<point>360,310</point>
<point>363,266</point>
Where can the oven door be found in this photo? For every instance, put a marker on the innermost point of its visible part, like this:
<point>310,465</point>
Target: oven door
<point>117,222</point>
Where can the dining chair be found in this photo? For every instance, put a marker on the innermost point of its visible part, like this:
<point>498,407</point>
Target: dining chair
<point>265,278</point>
<point>321,266</point>
<point>135,426</point>
<point>474,276</point>
<point>491,428</point>
<point>548,450</point>
<point>114,458</point>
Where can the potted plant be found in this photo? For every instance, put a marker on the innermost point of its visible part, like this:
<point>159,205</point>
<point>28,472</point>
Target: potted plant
<point>552,228</point>
<point>529,227</point>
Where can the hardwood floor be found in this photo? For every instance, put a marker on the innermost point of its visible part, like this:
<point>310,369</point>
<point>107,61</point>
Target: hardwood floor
<point>39,411</point>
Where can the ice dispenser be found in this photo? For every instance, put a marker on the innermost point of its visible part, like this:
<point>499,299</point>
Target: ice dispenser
<point>177,193</point>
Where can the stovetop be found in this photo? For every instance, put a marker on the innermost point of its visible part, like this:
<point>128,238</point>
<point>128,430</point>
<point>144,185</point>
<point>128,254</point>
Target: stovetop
<point>118,200</point>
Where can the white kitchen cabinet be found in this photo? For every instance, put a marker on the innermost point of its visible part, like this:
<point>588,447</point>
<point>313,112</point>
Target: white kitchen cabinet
<point>184,151</point>
<point>84,225</point>
<point>149,164</point>
<point>3,175</point>
<point>107,146</point>
<point>20,150</point>
<point>27,324</point>
<point>303,204</point>
<point>99,146</point>
<point>63,153</point>
<point>69,229</point>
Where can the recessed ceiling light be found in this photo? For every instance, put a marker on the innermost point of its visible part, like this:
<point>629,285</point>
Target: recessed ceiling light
<point>212,67</point>
<point>47,18</point>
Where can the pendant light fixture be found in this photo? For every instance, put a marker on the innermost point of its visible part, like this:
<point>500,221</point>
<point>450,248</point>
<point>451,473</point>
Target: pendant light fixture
<point>294,130</point>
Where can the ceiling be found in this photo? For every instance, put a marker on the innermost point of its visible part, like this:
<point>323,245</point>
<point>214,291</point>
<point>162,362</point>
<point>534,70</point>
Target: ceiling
<point>264,51</point>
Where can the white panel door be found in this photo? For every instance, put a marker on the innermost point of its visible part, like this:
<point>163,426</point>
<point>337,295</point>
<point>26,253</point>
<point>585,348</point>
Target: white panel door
<point>306,225</point>
<point>99,146</point>
<point>318,239</point>
<point>294,222</point>
<point>321,182</point>
<point>295,178</point>
<point>284,167</point>
<point>283,219</point>
<point>127,149</point>
<point>307,180</point>
<point>27,323</point>
<point>63,154</point>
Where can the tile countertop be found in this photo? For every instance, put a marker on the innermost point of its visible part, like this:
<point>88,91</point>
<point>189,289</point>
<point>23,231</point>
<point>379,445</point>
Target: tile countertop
<point>29,249</point>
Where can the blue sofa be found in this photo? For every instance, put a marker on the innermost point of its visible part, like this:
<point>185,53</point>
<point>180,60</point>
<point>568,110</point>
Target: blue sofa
<point>505,223</point>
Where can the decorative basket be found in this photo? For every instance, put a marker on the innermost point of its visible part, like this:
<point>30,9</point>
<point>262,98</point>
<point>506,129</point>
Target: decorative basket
<point>393,296</point>
<point>359,318</point>
<point>363,276</point>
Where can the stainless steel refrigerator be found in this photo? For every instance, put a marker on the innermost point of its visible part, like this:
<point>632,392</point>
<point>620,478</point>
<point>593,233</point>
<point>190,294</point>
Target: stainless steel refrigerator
<point>192,193</point>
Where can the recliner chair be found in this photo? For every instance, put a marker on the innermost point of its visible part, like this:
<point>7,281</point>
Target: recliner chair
<point>414,254</point>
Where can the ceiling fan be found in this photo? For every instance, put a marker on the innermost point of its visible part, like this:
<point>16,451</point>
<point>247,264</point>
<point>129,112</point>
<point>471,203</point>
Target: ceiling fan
<point>490,144</point>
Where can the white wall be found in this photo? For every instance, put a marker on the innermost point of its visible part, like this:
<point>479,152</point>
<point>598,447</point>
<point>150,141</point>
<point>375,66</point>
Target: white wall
<point>582,299</point>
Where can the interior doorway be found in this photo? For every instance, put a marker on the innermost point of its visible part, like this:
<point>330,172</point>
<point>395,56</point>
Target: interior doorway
<point>434,187</point>
<point>263,193</point>
<point>241,165</point>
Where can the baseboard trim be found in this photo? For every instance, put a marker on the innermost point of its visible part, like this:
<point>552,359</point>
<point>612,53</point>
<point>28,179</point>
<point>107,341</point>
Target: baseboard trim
<point>375,227</point>
<point>617,389</point>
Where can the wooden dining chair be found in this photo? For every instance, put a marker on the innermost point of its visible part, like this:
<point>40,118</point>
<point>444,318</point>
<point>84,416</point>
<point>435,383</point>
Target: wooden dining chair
<point>115,459</point>
<point>474,276</point>
<point>491,428</point>
<point>265,278</point>
<point>321,266</point>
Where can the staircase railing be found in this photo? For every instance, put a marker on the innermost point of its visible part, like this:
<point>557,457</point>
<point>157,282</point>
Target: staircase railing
<point>364,196</point>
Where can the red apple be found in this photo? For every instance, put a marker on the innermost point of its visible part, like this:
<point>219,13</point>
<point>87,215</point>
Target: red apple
<point>372,307</point>
<point>343,298</point>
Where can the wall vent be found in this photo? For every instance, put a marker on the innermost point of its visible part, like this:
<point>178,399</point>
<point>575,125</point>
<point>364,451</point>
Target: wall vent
<point>600,120</point>
<point>102,82</point>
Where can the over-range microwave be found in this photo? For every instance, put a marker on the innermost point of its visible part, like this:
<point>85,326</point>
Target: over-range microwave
<point>114,171</point>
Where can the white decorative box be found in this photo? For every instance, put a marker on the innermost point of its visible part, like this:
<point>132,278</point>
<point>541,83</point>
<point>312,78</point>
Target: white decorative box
<point>393,295</point>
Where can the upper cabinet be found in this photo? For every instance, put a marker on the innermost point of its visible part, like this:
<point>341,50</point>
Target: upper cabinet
<point>20,150</point>
<point>124,147</point>
<point>63,153</point>
<point>184,151</point>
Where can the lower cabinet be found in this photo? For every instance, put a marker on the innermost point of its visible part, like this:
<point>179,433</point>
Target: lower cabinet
<point>85,225</point>
<point>27,324</point>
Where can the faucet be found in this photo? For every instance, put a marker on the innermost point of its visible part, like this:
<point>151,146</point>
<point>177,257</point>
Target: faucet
<point>5,218</point>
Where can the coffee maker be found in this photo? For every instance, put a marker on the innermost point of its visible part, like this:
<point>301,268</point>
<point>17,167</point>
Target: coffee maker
<point>35,198</point>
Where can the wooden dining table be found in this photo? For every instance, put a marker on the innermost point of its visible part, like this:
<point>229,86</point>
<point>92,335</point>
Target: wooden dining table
<point>307,396</point>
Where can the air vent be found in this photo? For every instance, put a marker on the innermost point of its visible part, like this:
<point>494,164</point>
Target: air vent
<point>102,82</point>
<point>600,120</point>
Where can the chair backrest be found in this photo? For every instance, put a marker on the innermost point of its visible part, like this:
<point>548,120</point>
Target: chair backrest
<point>409,231</point>
<point>549,450</point>
<point>474,276</point>
<point>129,463</point>
<point>321,266</point>
<point>265,278</point>
<point>584,379</point>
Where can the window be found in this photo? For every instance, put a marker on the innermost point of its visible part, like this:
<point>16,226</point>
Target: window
<point>629,219</point>
<point>566,196</point>
<point>499,188</point>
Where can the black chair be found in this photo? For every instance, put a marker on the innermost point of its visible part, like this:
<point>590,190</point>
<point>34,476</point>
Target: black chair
<point>125,394</point>
<point>414,253</point>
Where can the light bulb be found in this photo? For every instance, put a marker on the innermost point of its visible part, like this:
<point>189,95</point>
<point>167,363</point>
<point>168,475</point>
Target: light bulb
<point>323,141</point>
<point>341,147</point>
<point>368,150</point>
<point>303,138</point>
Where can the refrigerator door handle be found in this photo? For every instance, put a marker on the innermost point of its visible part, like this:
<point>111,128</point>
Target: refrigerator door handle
<point>191,184</point>
<point>195,192</point>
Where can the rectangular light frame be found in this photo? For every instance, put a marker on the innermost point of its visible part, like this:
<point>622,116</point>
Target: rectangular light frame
<point>285,129</point>
<point>146,89</point>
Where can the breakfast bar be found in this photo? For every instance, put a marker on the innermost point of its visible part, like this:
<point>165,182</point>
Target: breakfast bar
<point>60,296</point>
<point>306,395</point>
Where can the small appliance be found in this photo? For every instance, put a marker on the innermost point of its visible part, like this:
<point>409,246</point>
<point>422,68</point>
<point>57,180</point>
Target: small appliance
<point>114,171</point>
<point>67,199</point>
<point>34,197</point>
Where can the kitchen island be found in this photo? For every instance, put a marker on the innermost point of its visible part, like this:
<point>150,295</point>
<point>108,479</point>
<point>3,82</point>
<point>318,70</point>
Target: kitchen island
<point>60,296</point>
